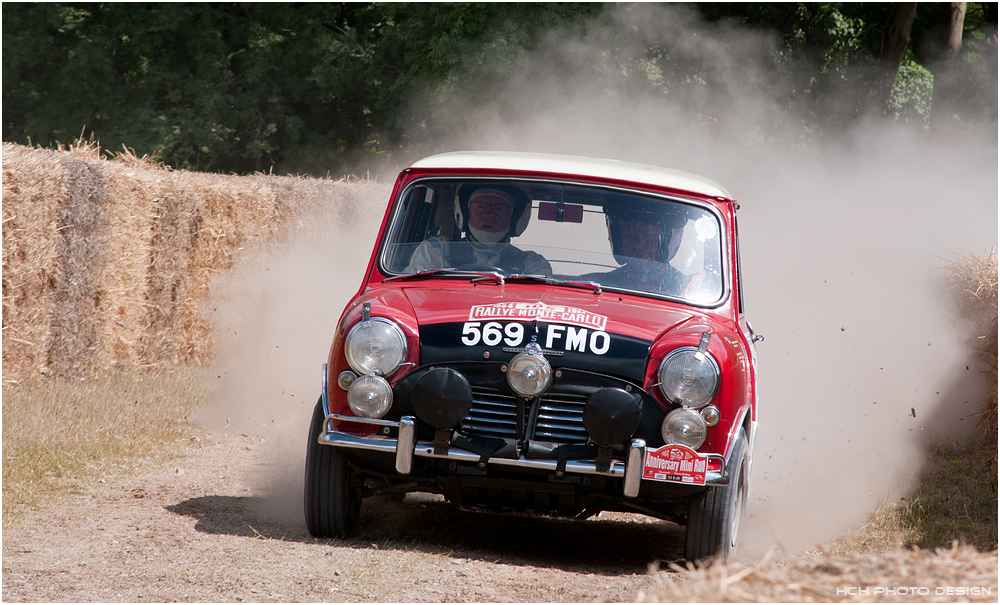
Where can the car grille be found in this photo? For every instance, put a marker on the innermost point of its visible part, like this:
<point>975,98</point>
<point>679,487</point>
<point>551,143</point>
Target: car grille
<point>494,414</point>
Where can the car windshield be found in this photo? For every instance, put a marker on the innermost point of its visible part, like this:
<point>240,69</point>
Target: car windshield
<point>620,239</point>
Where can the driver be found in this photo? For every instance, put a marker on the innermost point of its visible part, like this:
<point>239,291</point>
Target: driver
<point>488,215</point>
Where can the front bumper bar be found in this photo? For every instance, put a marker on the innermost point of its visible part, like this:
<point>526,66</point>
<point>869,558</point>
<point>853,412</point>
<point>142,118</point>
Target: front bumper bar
<point>407,446</point>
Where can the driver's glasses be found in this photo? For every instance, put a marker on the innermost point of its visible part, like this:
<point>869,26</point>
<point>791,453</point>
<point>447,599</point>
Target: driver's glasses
<point>496,208</point>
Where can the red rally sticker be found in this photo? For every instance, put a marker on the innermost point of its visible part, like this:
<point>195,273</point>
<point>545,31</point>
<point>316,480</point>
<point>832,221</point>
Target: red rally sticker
<point>675,464</point>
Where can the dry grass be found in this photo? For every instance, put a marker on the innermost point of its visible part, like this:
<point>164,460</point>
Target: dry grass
<point>886,529</point>
<point>57,432</point>
<point>972,280</point>
<point>955,500</point>
<point>897,576</point>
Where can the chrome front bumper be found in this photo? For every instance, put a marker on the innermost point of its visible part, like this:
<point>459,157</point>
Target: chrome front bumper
<point>407,446</point>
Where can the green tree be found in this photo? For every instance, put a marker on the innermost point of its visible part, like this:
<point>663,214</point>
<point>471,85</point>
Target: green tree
<point>842,46</point>
<point>317,87</point>
<point>243,87</point>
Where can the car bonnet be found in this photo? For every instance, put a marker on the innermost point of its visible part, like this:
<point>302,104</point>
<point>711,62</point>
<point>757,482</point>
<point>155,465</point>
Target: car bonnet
<point>606,333</point>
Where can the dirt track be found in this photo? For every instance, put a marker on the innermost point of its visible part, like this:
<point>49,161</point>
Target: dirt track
<point>198,530</point>
<point>222,522</point>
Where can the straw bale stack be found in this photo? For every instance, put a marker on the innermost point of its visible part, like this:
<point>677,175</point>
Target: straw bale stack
<point>110,260</point>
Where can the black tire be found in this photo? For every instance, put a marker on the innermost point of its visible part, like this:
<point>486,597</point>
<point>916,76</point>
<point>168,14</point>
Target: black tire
<point>332,488</point>
<point>716,517</point>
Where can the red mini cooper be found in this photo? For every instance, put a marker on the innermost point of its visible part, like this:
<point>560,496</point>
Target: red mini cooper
<point>549,334</point>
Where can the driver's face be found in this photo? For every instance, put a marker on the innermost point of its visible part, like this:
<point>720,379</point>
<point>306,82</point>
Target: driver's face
<point>490,213</point>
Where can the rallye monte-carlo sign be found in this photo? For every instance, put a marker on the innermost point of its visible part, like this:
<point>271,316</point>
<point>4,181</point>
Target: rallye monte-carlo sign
<point>568,334</point>
<point>539,311</point>
<point>567,329</point>
<point>585,332</point>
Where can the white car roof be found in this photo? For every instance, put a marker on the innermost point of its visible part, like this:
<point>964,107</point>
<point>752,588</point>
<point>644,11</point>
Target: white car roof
<point>576,166</point>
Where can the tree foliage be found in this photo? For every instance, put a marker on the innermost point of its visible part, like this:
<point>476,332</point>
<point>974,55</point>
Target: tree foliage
<point>246,87</point>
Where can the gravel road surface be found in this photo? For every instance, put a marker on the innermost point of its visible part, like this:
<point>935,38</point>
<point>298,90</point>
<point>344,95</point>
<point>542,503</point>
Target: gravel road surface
<point>208,527</point>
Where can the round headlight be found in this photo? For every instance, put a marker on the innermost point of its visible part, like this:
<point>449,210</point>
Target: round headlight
<point>529,373</point>
<point>683,427</point>
<point>687,380</point>
<point>369,396</point>
<point>376,346</point>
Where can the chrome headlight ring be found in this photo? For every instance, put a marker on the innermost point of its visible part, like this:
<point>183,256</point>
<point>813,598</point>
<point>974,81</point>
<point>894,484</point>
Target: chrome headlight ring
<point>376,346</point>
<point>370,396</point>
<point>529,373</point>
<point>689,378</point>
<point>684,426</point>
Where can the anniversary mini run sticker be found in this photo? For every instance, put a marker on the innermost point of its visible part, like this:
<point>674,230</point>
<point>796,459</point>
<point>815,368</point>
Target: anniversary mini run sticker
<point>675,464</point>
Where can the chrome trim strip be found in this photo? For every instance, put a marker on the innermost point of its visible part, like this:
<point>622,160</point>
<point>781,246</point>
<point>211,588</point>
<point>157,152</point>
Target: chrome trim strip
<point>375,421</point>
<point>326,398</point>
<point>426,449</point>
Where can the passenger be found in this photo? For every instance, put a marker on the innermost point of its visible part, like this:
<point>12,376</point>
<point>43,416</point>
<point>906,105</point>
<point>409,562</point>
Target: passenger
<point>645,243</point>
<point>488,215</point>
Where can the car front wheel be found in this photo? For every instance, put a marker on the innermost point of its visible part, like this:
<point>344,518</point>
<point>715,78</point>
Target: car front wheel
<point>715,517</point>
<point>332,488</point>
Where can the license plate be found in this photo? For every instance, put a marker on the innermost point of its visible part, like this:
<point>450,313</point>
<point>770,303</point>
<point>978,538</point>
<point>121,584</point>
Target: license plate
<point>675,464</point>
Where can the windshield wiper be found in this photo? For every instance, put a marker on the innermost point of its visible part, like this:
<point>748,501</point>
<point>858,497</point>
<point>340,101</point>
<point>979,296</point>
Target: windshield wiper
<point>449,272</point>
<point>589,285</point>
<point>499,277</point>
<point>418,274</point>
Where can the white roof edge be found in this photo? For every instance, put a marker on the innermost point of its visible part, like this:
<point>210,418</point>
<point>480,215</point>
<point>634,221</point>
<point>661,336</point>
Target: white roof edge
<point>575,165</point>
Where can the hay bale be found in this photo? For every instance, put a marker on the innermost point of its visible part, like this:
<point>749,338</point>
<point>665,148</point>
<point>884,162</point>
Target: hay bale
<point>172,229</point>
<point>226,213</point>
<point>74,345</point>
<point>32,194</point>
<point>342,202</point>
<point>110,260</point>
<point>124,320</point>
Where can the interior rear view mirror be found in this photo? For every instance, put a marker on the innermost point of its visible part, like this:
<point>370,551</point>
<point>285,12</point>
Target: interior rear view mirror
<point>560,212</point>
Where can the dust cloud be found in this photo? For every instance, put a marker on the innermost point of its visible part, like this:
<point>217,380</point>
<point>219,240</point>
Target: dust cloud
<point>844,247</point>
<point>275,316</point>
<point>844,241</point>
